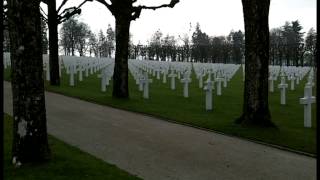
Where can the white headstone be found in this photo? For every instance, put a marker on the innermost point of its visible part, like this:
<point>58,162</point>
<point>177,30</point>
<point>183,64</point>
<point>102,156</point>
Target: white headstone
<point>186,80</point>
<point>80,73</point>
<point>173,83</point>
<point>282,86</point>
<point>164,79</point>
<point>307,100</point>
<point>200,77</point>
<point>271,83</point>
<point>218,80</point>
<point>292,83</point>
<point>72,71</point>
<point>225,81</point>
<point>208,89</point>
<point>146,82</point>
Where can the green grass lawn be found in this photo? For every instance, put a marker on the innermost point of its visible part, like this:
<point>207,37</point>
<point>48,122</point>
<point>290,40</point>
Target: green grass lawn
<point>67,163</point>
<point>171,105</point>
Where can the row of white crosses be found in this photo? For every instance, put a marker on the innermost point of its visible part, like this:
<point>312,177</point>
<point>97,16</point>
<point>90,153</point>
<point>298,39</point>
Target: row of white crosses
<point>46,65</point>
<point>290,73</point>
<point>221,73</point>
<point>77,65</point>
<point>173,70</point>
<point>141,76</point>
<point>308,99</point>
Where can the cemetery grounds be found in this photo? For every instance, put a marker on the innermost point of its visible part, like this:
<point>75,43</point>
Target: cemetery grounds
<point>170,105</point>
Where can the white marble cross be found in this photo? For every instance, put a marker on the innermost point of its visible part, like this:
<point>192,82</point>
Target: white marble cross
<point>208,89</point>
<point>292,78</point>
<point>164,79</point>
<point>218,80</point>
<point>307,100</point>
<point>87,70</point>
<point>146,82</point>
<point>103,82</point>
<point>271,85</point>
<point>310,81</point>
<point>200,77</point>
<point>72,72</point>
<point>158,73</point>
<point>186,80</point>
<point>282,86</point>
<point>173,83</point>
<point>225,82</point>
<point>141,81</point>
<point>80,72</point>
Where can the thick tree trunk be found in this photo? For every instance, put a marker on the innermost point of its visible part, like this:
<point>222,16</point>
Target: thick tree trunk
<point>30,142</point>
<point>53,43</point>
<point>120,77</point>
<point>255,107</point>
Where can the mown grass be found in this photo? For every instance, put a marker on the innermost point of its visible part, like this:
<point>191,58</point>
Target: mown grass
<point>171,105</point>
<point>66,163</point>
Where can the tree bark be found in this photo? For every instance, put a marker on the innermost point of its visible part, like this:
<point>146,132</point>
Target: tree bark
<point>53,43</point>
<point>30,142</point>
<point>120,77</point>
<point>256,106</point>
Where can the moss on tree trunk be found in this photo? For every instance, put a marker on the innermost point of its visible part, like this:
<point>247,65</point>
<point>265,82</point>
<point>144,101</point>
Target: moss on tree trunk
<point>30,142</point>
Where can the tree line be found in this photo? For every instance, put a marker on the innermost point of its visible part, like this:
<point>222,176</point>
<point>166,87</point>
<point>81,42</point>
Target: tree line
<point>288,46</point>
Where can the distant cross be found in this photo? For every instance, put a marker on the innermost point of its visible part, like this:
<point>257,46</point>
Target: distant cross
<point>219,80</point>
<point>173,76</point>
<point>208,89</point>
<point>282,86</point>
<point>186,80</point>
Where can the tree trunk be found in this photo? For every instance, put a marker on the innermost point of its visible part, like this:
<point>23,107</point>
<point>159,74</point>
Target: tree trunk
<point>255,107</point>
<point>30,142</point>
<point>53,43</point>
<point>120,77</point>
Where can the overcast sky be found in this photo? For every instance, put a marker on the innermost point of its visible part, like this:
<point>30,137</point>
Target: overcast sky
<point>216,17</point>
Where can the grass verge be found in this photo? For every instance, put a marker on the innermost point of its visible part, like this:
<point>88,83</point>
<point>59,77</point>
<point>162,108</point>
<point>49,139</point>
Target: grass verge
<point>67,163</point>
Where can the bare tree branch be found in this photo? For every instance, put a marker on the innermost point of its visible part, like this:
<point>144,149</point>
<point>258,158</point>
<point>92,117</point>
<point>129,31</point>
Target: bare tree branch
<point>107,5</point>
<point>44,18</point>
<point>67,13</point>
<point>170,5</point>
<point>136,13</point>
<point>61,5</point>
<point>43,13</point>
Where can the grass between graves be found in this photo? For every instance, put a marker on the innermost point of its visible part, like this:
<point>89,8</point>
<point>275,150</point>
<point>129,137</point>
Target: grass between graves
<point>67,163</point>
<point>171,105</point>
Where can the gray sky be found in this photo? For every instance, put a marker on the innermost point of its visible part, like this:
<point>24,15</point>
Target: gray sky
<point>216,17</point>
